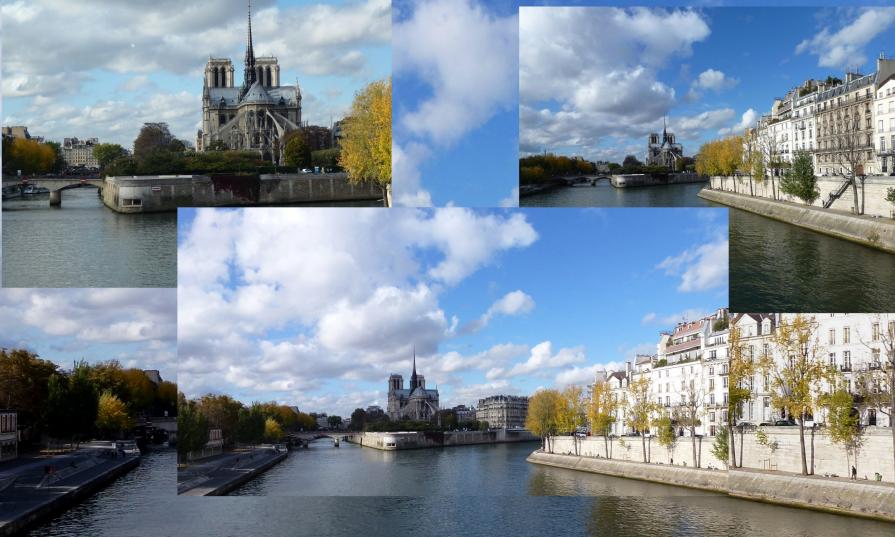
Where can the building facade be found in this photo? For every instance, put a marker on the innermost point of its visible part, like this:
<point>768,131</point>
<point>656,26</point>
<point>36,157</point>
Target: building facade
<point>503,411</point>
<point>9,435</point>
<point>664,153</point>
<point>254,116</point>
<point>855,346</point>
<point>884,118</point>
<point>79,153</point>
<point>415,403</point>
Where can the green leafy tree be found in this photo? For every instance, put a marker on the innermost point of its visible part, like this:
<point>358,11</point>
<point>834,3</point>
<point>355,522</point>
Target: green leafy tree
<point>358,419</point>
<point>105,154</point>
<point>24,384</point>
<point>296,149</point>
<point>326,158</point>
<point>221,412</point>
<point>192,429</point>
<point>799,179</point>
<point>83,402</point>
<point>844,424</point>
<point>250,425</point>
<point>890,196</point>
<point>720,447</point>
<point>742,367</point>
<point>665,433</point>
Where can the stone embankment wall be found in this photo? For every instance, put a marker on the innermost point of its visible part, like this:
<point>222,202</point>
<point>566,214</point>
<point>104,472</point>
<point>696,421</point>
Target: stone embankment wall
<point>863,498</point>
<point>632,450</point>
<point>873,195</point>
<point>420,440</point>
<point>869,231</point>
<point>714,480</point>
<point>875,455</point>
<point>632,180</point>
<point>167,193</point>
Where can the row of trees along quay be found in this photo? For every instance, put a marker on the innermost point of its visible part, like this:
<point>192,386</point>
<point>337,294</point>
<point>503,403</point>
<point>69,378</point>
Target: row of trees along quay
<point>240,425</point>
<point>755,155</point>
<point>802,382</point>
<point>536,169</point>
<point>58,408</point>
<point>444,420</point>
<point>364,151</point>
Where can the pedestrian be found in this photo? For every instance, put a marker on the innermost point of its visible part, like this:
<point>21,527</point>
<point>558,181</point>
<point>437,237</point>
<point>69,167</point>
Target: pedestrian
<point>854,473</point>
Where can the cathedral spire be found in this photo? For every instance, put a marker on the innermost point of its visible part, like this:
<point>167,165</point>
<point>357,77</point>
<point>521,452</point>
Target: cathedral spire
<point>249,74</point>
<point>414,360</point>
<point>664,128</point>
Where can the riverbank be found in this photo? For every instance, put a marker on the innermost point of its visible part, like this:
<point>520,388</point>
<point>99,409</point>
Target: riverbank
<point>869,231</point>
<point>835,495</point>
<point>31,496</point>
<point>434,439</point>
<point>220,475</point>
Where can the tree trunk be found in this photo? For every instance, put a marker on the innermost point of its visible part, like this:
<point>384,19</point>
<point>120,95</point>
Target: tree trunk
<point>643,443</point>
<point>731,446</point>
<point>693,441</point>
<point>802,447</point>
<point>606,444</point>
<point>854,189</point>
<point>812,451</point>
<point>742,429</point>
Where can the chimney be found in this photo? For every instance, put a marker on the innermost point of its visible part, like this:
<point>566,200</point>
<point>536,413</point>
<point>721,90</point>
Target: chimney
<point>628,370</point>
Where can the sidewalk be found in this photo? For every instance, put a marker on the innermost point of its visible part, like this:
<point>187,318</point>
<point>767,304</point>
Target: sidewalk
<point>28,493</point>
<point>221,474</point>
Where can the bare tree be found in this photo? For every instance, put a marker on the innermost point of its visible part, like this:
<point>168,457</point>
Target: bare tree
<point>770,154</point>
<point>850,141</point>
<point>692,402</point>
<point>876,386</point>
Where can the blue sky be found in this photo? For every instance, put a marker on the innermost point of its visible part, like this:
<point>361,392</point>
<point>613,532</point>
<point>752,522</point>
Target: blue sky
<point>102,72</point>
<point>494,301</point>
<point>711,71</point>
<point>137,327</point>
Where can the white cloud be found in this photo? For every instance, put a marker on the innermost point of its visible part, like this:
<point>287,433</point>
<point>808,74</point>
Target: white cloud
<point>671,320</point>
<point>844,48</point>
<point>604,91</point>
<point>512,200</point>
<point>581,376</point>
<point>468,59</point>
<point>748,120</point>
<point>540,360</point>
<point>700,268</point>
<point>712,79</point>
<point>511,304</point>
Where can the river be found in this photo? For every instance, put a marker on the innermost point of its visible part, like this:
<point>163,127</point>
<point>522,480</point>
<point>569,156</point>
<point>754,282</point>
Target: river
<point>776,266</point>
<point>84,244</point>
<point>606,195</point>
<point>432,493</point>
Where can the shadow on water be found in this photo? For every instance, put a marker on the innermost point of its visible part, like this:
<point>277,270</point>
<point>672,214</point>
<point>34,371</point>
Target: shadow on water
<point>776,266</point>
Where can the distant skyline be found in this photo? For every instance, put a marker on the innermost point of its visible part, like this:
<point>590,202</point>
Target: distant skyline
<point>494,301</point>
<point>711,71</point>
<point>73,71</point>
<point>137,327</point>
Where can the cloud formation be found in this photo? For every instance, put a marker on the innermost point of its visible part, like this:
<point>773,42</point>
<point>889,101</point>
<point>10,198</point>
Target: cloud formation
<point>844,48</point>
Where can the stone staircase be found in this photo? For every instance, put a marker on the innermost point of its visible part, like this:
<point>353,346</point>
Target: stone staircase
<point>837,194</point>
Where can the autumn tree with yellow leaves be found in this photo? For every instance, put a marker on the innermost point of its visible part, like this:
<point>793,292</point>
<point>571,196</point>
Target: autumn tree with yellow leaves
<point>366,146</point>
<point>542,415</point>
<point>601,410</point>
<point>570,414</point>
<point>720,157</point>
<point>797,374</point>
<point>641,409</point>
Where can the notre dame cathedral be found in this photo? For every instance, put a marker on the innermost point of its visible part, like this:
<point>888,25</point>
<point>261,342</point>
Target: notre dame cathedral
<point>254,116</point>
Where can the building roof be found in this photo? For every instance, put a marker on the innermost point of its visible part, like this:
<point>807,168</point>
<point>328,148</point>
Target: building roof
<point>231,95</point>
<point>257,94</point>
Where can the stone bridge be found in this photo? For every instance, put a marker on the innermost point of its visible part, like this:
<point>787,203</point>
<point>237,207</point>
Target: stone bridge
<point>303,439</point>
<point>57,184</point>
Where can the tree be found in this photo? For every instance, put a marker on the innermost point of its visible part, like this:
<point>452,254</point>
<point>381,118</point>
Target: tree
<point>640,409</point>
<point>769,150</point>
<point>221,412</point>
<point>24,382</point>
<point>720,447</point>
<point>58,165</point>
<point>692,401</point>
<point>876,387</point>
<point>665,433</point>
<point>192,429</point>
<point>325,158</point>
<point>741,368</point>
<point>166,399</point>
<point>111,414</point>
<point>890,196</point>
<point>106,153</point>
<point>250,425</point>
<point>570,412</point>
<point>844,424</point>
<point>296,149</point>
<point>601,412</point>
<point>358,419</point>
<point>153,137</point>
<point>83,400</point>
<point>30,156</point>
<point>541,418</point>
<point>334,421</point>
<point>753,162</point>
<point>631,162</point>
<point>367,136</point>
<point>799,180</point>
<point>272,430</point>
<point>140,391</point>
<point>850,141</point>
<point>59,424</point>
<point>796,377</point>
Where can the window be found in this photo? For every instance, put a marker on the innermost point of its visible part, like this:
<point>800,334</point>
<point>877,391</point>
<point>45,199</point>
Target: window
<point>832,340</point>
<point>136,202</point>
<point>833,359</point>
<point>846,335</point>
<point>875,332</point>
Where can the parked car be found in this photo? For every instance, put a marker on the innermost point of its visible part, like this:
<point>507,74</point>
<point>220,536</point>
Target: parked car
<point>784,423</point>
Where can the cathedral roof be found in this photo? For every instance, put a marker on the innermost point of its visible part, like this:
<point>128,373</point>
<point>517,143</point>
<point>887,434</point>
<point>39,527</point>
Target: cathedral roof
<point>231,95</point>
<point>257,94</point>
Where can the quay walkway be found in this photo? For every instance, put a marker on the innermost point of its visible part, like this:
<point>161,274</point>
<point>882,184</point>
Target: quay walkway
<point>221,474</point>
<point>35,488</point>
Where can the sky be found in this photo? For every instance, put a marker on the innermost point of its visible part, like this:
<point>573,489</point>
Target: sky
<point>710,71</point>
<point>494,301</point>
<point>101,68</point>
<point>137,327</point>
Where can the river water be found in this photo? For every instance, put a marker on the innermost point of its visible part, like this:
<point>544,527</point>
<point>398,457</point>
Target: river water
<point>523,499</point>
<point>84,244</point>
<point>606,195</point>
<point>776,266</point>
